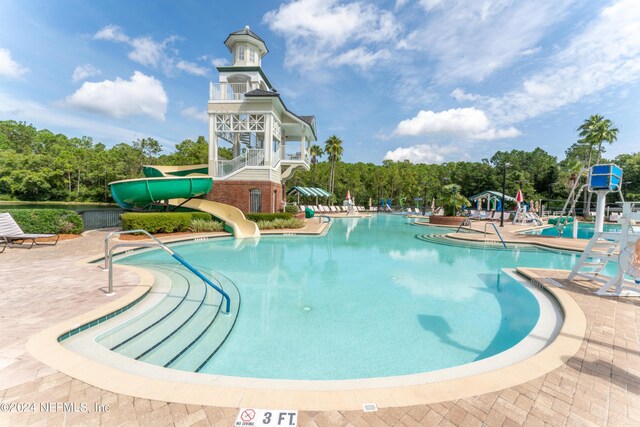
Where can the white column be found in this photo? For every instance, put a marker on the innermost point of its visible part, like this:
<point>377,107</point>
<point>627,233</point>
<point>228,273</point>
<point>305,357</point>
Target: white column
<point>303,144</point>
<point>602,197</point>
<point>283,143</point>
<point>268,140</point>
<point>213,146</point>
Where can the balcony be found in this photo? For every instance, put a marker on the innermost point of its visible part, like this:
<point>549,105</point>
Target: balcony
<point>230,91</point>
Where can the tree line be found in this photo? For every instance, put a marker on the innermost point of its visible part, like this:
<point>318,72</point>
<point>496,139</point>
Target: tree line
<point>38,165</point>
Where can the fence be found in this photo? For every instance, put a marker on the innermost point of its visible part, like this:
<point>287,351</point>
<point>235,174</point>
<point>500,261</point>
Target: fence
<point>101,218</point>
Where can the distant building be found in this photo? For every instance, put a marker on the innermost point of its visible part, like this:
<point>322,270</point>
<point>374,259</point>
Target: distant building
<point>269,141</point>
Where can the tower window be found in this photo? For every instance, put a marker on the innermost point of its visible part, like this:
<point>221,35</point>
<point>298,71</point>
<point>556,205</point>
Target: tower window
<point>240,53</point>
<point>252,55</point>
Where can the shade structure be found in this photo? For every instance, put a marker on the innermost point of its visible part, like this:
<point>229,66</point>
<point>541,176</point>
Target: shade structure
<point>308,191</point>
<point>487,195</point>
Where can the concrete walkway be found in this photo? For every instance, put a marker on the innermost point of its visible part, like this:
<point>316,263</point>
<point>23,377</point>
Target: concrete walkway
<point>600,385</point>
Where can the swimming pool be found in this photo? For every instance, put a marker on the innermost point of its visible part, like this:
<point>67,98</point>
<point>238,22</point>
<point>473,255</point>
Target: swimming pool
<point>585,230</point>
<point>367,300</point>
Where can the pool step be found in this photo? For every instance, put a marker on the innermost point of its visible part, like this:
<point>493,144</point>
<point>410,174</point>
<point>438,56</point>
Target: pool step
<point>186,328</point>
<point>176,295</point>
<point>470,244</point>
<point>205,320</point>
<point>200,351</point>
<point>167,325</point>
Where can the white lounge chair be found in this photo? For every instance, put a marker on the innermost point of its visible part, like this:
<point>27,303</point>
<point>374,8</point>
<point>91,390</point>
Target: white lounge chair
<point>11,232</point>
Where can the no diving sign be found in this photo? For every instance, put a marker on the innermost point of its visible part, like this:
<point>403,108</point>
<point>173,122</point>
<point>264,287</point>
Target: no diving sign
<point>252,417</point>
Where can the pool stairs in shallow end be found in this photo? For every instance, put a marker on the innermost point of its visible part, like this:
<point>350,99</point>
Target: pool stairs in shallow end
<point>185,329</point>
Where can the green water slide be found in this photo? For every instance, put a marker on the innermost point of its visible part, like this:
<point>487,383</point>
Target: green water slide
<point>143,193</point>
<point>178,186</point>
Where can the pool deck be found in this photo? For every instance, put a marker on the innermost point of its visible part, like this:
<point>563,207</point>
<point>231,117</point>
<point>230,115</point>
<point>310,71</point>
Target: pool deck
<point>599,385</point>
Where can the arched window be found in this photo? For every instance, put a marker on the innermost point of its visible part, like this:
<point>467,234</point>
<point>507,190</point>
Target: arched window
<point>255,200</point>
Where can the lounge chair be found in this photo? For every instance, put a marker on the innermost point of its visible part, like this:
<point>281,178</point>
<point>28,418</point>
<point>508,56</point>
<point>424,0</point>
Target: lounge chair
<point>4,244</point>
<point>301,208</point>
<point>11,232</point>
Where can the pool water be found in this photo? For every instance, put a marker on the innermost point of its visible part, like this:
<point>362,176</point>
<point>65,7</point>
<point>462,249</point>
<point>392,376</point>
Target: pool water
<point>369,299</point>
<point>585,230</point>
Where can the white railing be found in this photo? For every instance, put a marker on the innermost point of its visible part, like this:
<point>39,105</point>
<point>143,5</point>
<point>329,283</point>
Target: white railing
<point>293,154</point>
<point>277,156</point>
<point>251,157</point>
<point>228,91</point>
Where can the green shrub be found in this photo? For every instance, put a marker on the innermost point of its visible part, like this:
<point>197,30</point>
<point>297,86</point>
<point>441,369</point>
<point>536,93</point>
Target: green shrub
<point>255,217</point>
<point>205,226</point>
<point>292,209</point>
<point>279,223</point>
<point>157,222</point>
<point>201,216</point>
<point>47,221</point>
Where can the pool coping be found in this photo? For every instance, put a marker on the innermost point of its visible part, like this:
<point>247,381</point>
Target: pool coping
<point>44,346</point>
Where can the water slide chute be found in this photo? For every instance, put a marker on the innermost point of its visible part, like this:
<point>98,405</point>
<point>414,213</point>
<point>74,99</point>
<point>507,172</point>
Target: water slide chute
<point>179,191</point>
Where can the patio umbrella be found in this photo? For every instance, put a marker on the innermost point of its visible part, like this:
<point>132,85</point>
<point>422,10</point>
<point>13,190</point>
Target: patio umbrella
<point>348,197</point>
<point>433,204</point>
<point>519,197</point>
<point>369,203</point>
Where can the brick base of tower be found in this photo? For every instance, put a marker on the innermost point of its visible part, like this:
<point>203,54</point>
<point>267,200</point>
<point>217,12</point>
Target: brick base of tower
<point>238,194</point>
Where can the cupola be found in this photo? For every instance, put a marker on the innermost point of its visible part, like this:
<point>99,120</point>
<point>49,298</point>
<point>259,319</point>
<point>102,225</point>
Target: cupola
<point>246,47</point>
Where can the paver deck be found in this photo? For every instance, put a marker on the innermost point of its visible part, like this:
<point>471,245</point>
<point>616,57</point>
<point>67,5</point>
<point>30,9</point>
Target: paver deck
<point>599,385</point>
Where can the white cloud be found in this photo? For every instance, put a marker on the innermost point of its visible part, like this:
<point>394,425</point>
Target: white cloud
<point>192,68</point>
<point>422,153</point>
<point>463,123</point>
<point>146,51</point>
<point>47,116</point>
<point>85,71</point>
<point>194,113</point>
<point>400,3</point>
<point>111,32</point>
<point>460,95</point>
<point>606,54</point>
<point>219,62</point>
<point>469,39</point>
<point>530,51</point>
<point>152,53</point>
<point>9,67</point>
<point>430,4</point>
<point>316,30</point>
<point>361,58</point>
<point>141,95</point>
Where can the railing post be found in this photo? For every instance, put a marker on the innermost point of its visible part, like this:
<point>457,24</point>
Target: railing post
<point>110,290</point>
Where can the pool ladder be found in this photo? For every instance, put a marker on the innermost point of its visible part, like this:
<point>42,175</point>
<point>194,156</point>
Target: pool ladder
<point>108,261</point>
<point>497,232</point>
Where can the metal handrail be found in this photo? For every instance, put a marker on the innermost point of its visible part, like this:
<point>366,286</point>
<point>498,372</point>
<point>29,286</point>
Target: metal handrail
<point>466,222</point>
<point>497,232</point>
<point>181,260</point>
<point>117,233</point>
<point>320,217</point>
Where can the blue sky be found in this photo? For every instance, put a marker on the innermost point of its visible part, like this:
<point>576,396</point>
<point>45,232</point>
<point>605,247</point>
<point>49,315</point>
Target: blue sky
<point>426,80</point>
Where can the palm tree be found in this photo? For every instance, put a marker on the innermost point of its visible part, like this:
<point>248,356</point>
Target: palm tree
<point>315,151</point>
<point>594,131</point>
<point>333,148</point>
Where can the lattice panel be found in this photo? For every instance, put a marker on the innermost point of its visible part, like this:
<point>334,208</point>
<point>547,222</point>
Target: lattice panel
<point>276,130</point>
<point>240,122</point>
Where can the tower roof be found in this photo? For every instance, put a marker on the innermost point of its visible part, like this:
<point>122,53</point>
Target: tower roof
<point>246,34</point>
